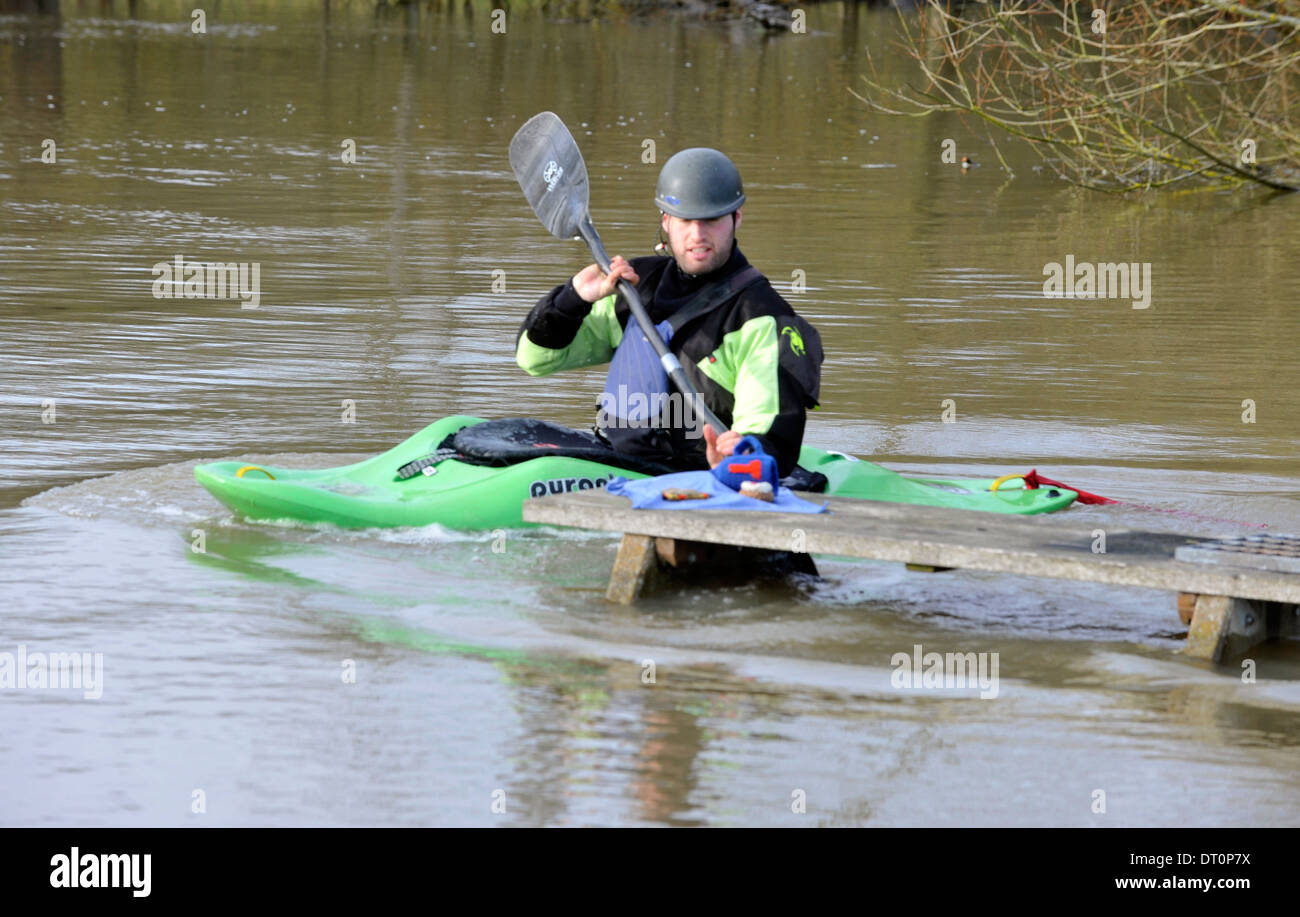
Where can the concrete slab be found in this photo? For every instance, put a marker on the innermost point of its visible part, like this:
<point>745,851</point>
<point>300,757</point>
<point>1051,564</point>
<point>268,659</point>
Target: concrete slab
<point>935,538</point>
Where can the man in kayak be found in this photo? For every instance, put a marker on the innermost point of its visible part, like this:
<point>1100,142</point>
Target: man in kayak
<point>755,362</point>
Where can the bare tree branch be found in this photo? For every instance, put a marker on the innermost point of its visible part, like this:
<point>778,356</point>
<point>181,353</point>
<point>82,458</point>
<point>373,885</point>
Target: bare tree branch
<point>1163,92</point>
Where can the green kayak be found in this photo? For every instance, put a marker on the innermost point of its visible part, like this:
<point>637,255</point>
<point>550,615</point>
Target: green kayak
<point>415,484</point>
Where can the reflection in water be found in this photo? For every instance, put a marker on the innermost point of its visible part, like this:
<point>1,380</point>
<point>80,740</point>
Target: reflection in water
<point>665,772</point>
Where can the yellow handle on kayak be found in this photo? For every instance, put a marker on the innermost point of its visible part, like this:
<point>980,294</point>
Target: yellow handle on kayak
<point>993,488</point>
<point>240,472</point>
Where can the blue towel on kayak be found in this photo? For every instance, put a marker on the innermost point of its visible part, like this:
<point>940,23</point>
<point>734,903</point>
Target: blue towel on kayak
<point>647,493</point>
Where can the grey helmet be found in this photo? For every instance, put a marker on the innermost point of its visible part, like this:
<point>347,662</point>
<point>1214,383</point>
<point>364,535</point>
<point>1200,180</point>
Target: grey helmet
<point>699,184</point>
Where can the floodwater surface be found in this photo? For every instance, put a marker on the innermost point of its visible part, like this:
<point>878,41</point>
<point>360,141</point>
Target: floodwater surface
<point>291,674</point>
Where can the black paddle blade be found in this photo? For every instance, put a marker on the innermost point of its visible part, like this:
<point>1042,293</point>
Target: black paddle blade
<point>550,170</point>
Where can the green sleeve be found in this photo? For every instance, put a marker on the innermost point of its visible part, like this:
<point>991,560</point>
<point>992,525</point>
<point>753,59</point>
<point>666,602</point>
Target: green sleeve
<point>747,367</point>
<point>594,343</point>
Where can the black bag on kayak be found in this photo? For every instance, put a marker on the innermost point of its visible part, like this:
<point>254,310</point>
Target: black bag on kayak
<point>508,442</point>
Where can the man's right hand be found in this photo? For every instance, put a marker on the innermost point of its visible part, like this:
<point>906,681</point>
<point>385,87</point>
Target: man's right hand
<point>594,284</point>
<point>719,447</point>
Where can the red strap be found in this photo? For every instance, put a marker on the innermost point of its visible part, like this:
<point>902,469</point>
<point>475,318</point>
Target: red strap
<point>1034,480</point>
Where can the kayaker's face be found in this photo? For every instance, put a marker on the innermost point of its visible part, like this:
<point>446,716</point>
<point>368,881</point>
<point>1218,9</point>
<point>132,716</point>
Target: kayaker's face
<point>700,246</point>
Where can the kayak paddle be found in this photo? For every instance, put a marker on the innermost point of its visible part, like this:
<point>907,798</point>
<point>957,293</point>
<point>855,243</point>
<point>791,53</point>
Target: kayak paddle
<point>550,170</point>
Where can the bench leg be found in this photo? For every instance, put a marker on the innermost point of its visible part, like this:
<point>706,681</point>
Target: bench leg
<point>636,563</point>
<point>1223,627</point>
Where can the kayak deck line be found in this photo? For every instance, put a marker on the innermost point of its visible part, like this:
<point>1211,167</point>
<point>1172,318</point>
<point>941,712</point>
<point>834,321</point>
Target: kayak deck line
<point>1229,608</point>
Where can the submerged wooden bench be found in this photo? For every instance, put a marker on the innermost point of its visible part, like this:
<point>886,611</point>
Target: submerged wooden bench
<point>1228,609</point>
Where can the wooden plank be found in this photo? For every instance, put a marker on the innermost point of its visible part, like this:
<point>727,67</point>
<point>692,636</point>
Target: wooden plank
<point>1044,546</point>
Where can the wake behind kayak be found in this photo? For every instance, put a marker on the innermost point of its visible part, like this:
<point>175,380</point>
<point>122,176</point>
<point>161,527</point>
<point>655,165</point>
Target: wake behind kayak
<point>426,480</point>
